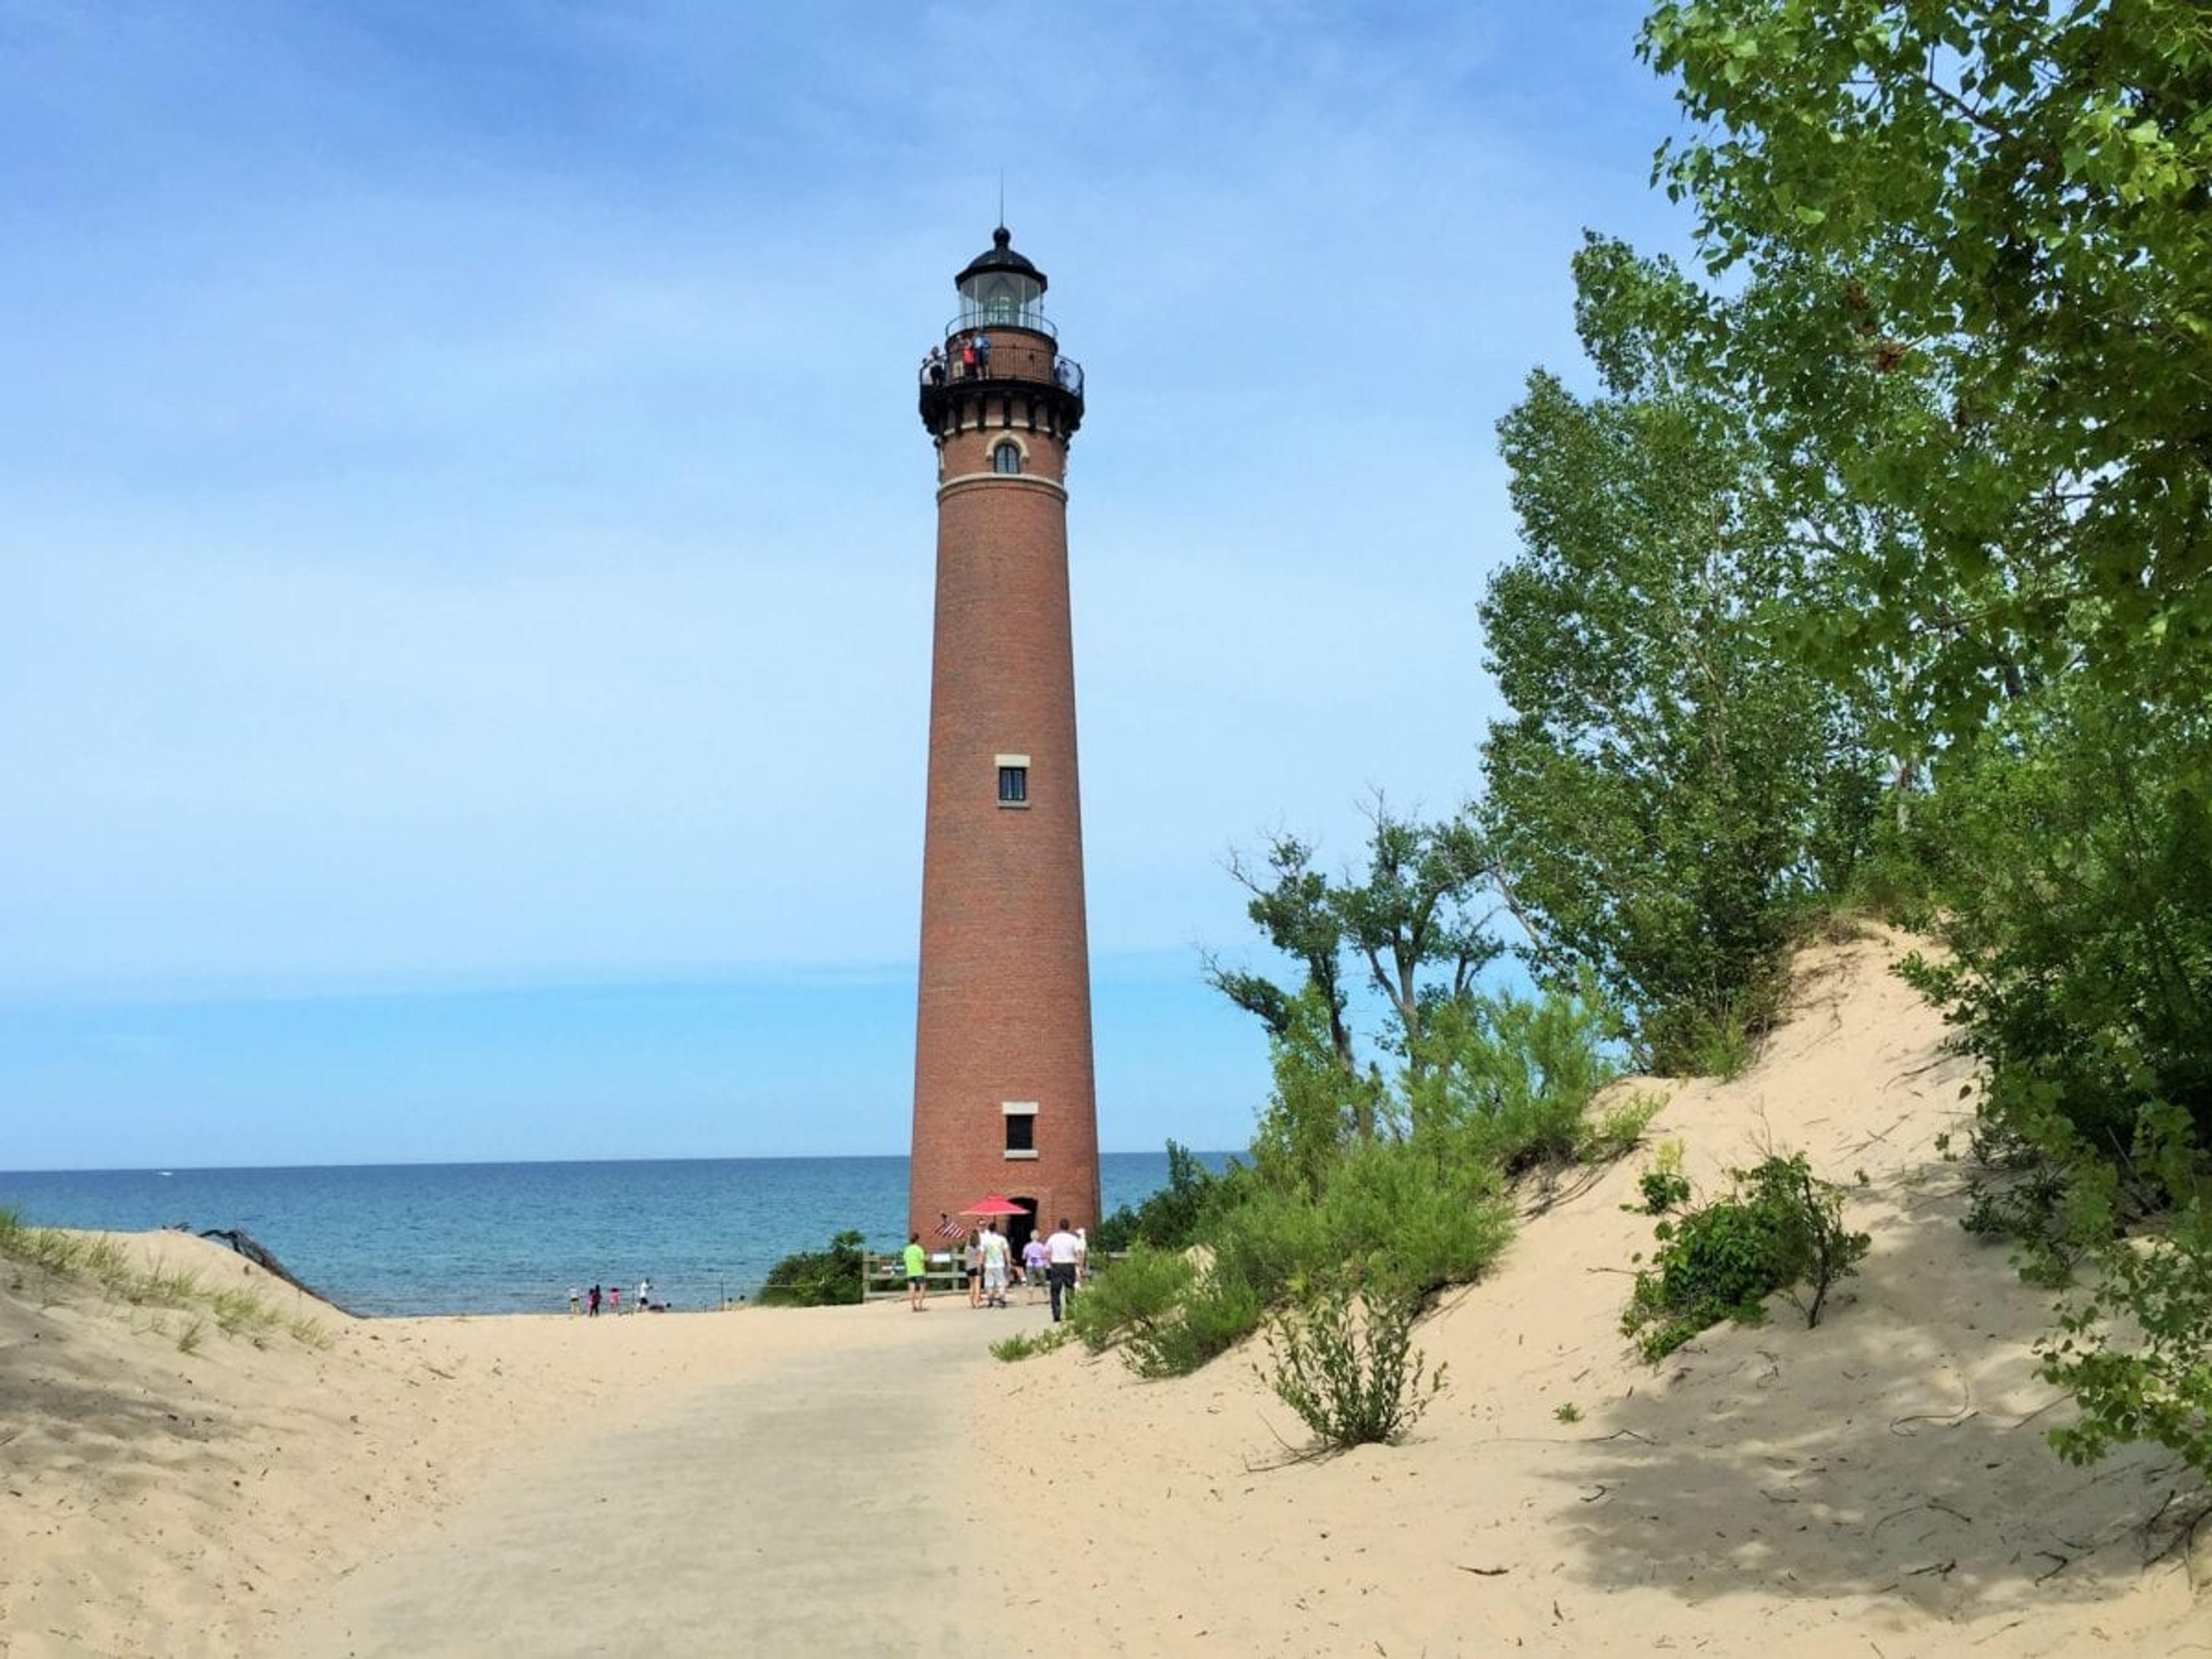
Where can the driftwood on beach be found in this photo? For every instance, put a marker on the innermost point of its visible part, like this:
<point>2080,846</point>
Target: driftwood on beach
<point>265,1259</point>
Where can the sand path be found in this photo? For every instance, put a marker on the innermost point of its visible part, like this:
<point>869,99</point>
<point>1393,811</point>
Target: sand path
<point>780,1511</point>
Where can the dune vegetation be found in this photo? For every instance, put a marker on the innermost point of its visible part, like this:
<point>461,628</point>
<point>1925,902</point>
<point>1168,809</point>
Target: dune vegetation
<point>53,1263</point>
<point>1869,577</point>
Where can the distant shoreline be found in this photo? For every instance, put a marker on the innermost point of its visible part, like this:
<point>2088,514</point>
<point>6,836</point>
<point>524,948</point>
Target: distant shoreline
<point>477,1240</point>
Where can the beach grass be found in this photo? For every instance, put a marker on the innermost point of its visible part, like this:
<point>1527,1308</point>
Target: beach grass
<point>1024,1345</point>
<point>65,1258</point>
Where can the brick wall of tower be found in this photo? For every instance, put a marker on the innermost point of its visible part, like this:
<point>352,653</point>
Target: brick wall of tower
<point>1004,1008</point>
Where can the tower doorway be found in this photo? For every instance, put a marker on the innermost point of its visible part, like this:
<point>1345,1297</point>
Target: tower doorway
<point>1020,1229</point>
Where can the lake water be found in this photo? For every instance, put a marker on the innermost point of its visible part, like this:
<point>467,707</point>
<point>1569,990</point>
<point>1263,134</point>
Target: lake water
<point>513,1237</point>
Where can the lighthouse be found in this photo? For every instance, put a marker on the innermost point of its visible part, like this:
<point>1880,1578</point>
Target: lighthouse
<point>1003,1093</point>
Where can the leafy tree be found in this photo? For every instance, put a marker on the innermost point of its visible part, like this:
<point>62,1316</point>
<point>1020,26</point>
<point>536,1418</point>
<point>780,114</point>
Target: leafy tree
<point>1412,919</point>
<point>1414,914</point>
<point>2007,206</point>
<point>1295,906</point>
<point>1674,780</point>
<point>1973,250</point>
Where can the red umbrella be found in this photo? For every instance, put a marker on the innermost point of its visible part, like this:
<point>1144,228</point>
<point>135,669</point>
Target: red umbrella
<point>995,1204</point>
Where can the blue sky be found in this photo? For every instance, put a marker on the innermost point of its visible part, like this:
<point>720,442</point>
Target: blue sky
<point>466,533</point>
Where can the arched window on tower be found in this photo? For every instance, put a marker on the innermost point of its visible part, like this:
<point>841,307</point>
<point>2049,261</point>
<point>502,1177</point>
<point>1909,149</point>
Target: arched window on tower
<point>1007,456</point>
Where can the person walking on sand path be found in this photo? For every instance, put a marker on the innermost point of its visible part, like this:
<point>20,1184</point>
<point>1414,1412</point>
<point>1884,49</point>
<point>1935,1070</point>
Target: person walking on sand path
<point>576,1301</point>
<point>614,1299</point>
<point>595,1302</point>
<point>995,1259</point>
<point>1033,1267</point>
<point>917,1272</point>
<point>973,1256</point>
<point>1061,1252</point>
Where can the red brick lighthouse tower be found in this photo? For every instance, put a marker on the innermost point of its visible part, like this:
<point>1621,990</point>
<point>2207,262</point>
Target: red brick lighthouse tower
<point>1003,1097</point>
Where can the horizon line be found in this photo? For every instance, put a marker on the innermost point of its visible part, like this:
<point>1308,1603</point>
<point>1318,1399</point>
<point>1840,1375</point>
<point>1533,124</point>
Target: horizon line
<point>504,1163</point>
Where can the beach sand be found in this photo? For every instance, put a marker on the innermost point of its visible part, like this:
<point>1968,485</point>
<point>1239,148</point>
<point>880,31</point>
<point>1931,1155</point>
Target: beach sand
<point>867,1482</point>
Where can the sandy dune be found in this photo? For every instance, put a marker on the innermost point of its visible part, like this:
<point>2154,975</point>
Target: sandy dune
<point>1878,1485</point>
<point>864,1481</point>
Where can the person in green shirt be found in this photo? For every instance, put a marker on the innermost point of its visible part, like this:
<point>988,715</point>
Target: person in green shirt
<point>917,1265</point>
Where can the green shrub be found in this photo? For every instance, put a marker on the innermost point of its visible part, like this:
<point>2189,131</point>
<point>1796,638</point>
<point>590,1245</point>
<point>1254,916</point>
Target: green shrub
<point>1618,1130</point>
<point>1353,1378</point>
<point>1024,1345</point>
<point>1662,1191</point>
<point>2081,920</point>
<point>1215,1315</point>
<point>1409,1223</point>
<point>2155,1384</point>
<point>1173,1217</point>
<point>1780,1229</point>
<point>817,1279</point>
<point>1142,1290</point>
<point>1691,1039</point>
<point>1507,1080</point>
<point>1394,1215</point>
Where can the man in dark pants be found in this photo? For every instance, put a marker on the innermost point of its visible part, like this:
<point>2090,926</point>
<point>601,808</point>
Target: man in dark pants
<point>1061,1251</point>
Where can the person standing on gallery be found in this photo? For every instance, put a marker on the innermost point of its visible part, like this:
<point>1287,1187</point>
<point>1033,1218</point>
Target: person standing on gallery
<point>917,1274</point>
<point>1061,1252</point>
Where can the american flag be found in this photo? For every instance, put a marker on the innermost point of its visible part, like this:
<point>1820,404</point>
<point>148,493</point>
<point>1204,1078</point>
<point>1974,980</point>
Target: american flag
<point>949,1229</point>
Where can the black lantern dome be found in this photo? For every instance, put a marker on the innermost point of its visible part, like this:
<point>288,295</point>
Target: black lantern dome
<point>1001,287</point>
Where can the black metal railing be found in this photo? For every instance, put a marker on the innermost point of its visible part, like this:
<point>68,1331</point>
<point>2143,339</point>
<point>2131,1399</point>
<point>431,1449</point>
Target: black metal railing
<point>972,317</point>
<point>966,357</point>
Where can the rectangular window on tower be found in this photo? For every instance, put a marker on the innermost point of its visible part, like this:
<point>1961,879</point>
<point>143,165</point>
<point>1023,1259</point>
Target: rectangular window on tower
<point>1013,779</point>
<point>1021,1129</point>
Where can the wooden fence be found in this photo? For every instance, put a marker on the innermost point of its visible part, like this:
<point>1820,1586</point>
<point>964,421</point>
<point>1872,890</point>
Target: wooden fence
<point>883,1277</point>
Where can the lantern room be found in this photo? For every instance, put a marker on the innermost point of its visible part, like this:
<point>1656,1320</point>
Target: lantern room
<point>1002,288</point>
